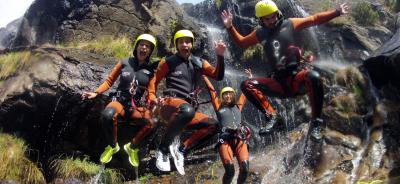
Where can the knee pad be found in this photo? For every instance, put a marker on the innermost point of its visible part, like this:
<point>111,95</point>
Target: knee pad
<point>314,77</point>
<point>246,85</point>
<point>229,172</point>
<point>107,116</point>
<point>244,172</point>
<point>244,167</point>
<point>186,112</point>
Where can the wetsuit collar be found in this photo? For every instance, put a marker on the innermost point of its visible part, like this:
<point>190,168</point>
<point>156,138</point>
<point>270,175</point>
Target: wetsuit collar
<point>188,59</point>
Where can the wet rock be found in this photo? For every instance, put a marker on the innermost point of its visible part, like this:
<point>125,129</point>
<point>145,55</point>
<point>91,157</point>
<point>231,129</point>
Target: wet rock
<point>340,177</point>
<point>345,122</point>
<point>331,158</point>
<point>337,138</point>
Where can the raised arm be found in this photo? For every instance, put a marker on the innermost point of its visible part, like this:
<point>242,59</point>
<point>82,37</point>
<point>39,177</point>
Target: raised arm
<point>162,70</point>
<point>213,94</point>
<point>241,41</point>
<point>319,18</point>
<point>242,98</point>
<point>218,72</point>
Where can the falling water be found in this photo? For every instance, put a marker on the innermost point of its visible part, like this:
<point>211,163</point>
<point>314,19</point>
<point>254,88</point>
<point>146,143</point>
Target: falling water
<point>52,118</point>
<point>96,179</point>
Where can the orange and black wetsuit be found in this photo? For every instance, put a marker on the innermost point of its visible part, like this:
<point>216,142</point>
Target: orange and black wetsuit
<point>229,120</point>
<point>181,81</point>
<point>127,107</point>
<point>288,79</point>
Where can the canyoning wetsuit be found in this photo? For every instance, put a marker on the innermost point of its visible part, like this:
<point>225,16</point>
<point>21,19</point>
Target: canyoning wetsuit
<point>181,83</point>
<point>288,78</point>
<point>127,107</point>
<point>230,143</point>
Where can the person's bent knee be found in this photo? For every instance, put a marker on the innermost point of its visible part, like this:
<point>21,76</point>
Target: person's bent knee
<point>244,168</point>
<point>247,84</point>
<point>244,171</point>
<point>186,112</point>
<point>229,173</point>
<point>314,76</point>
<point>107,115</point>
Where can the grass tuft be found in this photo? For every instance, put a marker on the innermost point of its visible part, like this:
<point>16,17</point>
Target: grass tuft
<point>15,166</point>
<point>109,46</point>
<point>83,170</point>
<point>12,62</point>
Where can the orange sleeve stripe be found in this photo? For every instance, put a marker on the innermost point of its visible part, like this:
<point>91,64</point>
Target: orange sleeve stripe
<point>162,70</point>
<point>243,41</point>
<point>112,77</point>
<point>316,19</point>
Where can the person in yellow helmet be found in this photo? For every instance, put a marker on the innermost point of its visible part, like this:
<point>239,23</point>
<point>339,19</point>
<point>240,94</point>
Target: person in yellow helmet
<point>288,78</point>
<point>232,133</point>
<point>129,102</point>
<point>177,108</point>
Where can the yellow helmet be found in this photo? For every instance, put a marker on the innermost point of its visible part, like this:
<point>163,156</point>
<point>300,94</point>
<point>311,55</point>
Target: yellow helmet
<point>147,37</point>
<point>226,89</point>
<point>265,7</point>
<point>183,33</point>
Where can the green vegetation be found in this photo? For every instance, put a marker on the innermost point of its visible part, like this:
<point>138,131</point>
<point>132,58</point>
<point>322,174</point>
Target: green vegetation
<point>393,5</point>
<point>12,62</point>
<point>363,13</point>
<point>173,24</point>
<point>342,20</point>
<point>120,47</point>
<point>15,166</point>
<point>208,175</point>
<point>218,3</point>
<point>83,170</point>
<point>345,104</point>
<point>352,79</point>
<point>253,52</point>
<point>146,178</point>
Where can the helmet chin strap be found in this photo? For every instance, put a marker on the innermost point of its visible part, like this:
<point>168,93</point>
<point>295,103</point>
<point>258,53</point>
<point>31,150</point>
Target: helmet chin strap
<point>277,23</point>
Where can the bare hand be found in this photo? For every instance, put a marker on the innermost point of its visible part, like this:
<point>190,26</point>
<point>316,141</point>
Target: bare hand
<point>88,95</point>
<point>344,8</point>
<point>160,101</point>
<point>248,72</point>
<point>219,47</point>
<point>227,18</point>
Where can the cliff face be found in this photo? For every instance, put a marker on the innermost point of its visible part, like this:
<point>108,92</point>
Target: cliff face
<point>8,33</point>
<point>59,22</point>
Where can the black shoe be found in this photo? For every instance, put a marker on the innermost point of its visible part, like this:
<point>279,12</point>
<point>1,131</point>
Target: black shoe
<point>264,132</point>
<point>267,129</point>
<point>316,129</point>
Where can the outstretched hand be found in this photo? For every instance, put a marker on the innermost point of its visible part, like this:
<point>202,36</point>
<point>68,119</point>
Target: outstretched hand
<point>219,47</point>
<point>88,95</point>
<point>248,72</point>
<point>227,18</point>
<point>344,8</point>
